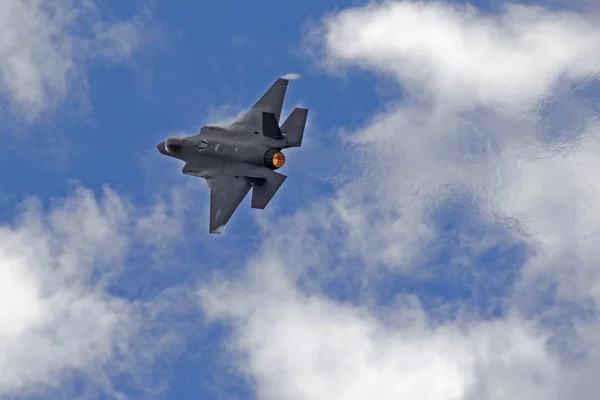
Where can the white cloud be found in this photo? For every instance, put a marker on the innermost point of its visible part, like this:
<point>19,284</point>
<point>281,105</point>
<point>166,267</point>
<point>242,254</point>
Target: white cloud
<point>58,311</point>
<point>502,160</point>
<point>458,54</point>
<point>473,125</point>
<point>298,346</point>
<point>164,226</point>
<point>45,47</point>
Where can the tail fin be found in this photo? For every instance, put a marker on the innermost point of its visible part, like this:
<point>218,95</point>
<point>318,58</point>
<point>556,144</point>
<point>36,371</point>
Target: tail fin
<point>293,127</point>
<point>270,126</point>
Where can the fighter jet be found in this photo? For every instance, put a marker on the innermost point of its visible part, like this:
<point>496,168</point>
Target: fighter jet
<point>241,155</point>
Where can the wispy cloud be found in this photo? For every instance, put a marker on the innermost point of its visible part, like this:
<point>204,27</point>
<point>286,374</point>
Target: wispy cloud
<point>472,126</point>
<point>46,46</point>
<point>60,313</point>
<point>299,346</point>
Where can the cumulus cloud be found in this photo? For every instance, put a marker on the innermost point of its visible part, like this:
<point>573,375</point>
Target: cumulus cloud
<point>459,54</point>
<point>505,161</point>
<point>60,315</point>
<point>45,47</point>
<point>299,346</point>
<point>477,124</point>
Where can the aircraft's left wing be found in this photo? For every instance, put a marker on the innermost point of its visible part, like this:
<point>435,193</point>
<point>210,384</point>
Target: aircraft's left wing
<point>226,194</point>
<point>271,102</point>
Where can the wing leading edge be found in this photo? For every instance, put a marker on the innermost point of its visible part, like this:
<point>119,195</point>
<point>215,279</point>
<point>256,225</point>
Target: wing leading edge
<point>226,194</point>
<point>271,102</point>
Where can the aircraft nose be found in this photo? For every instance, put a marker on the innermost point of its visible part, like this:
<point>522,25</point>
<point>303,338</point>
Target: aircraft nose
<point>161,147</point>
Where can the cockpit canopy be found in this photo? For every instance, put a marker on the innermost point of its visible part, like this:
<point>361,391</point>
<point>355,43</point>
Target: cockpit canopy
<point>173,144</point>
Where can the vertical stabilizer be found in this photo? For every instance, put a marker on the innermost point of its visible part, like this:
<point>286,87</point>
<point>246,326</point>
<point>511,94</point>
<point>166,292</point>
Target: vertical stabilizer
<point>293,127</point>
<point>270,127</point>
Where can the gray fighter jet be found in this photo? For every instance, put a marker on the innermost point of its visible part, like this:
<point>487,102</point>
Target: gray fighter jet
<point>241,155</point>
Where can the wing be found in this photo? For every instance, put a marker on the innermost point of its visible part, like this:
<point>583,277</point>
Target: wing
<point>226,194</point>
<point>271,102</point>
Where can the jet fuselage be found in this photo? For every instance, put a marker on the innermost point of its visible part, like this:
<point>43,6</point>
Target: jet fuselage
<point>215,146</point>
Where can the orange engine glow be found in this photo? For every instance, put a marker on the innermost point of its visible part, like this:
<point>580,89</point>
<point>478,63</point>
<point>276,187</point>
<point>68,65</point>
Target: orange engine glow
<point>278,159</point>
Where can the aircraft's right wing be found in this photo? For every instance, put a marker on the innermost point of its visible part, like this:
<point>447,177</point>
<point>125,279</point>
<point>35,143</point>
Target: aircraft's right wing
<point>271,102</point>
<point>226,194</point>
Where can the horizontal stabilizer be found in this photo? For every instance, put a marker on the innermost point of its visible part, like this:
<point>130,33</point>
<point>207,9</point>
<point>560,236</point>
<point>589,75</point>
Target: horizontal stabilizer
<point>270,126</point>
<point>263,193</point>
<point>293,127</point>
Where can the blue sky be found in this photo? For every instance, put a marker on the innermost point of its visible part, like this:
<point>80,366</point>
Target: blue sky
<point>197,60</point>
<point>425,229</point>
<point>167,89</point>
